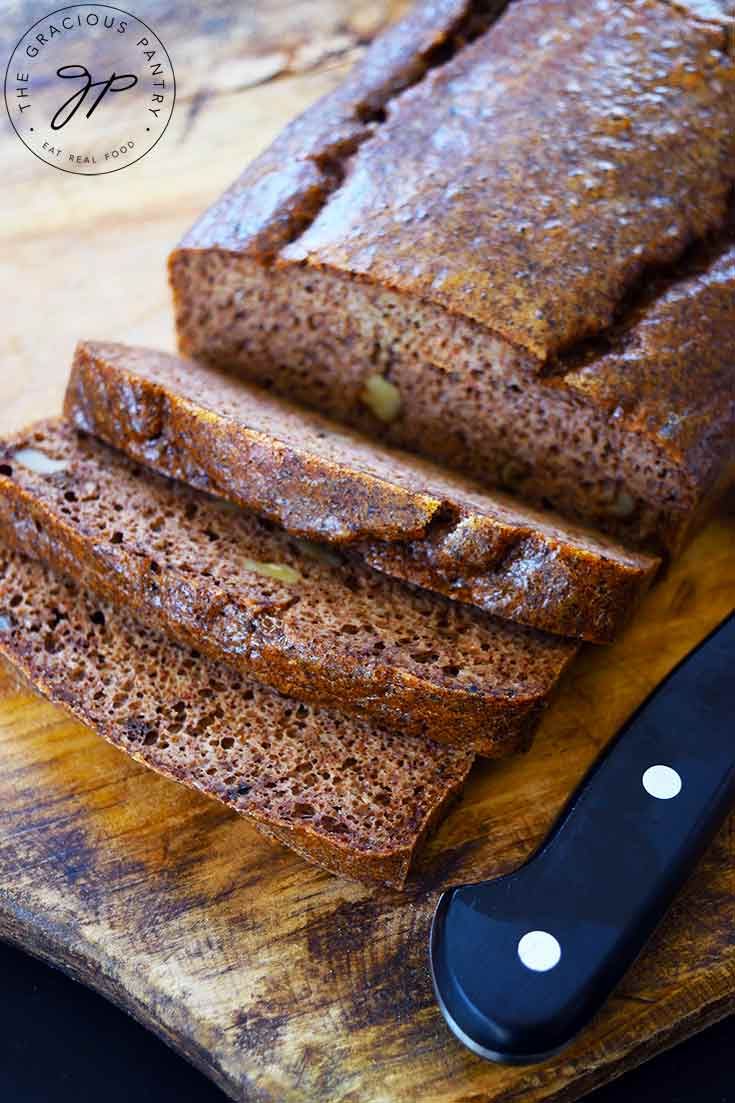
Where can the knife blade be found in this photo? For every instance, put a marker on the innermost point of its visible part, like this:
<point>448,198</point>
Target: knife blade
<point>521,963</point>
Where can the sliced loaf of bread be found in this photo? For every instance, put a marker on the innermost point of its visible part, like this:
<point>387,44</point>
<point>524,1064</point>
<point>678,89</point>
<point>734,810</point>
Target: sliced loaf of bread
<point>287,612</point>
<point>405,516</point>
<point>513,253</point>
<point>347,795</point>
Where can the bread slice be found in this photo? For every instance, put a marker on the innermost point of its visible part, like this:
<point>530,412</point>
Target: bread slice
<point>347,795</point>
<point>406,516</point>
<point>489,305</point>
<point>288,613</point>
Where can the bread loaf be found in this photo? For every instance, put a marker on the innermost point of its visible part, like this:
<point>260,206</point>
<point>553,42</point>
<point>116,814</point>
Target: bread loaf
<point>292,615</point>
<point>543,294</point>
<point>406,516</point>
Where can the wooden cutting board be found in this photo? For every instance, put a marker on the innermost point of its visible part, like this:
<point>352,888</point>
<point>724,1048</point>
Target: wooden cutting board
<point>280,982</point>
<point>286,984</point>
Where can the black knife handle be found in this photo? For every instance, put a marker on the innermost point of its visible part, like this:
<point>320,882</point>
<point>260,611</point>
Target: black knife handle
<point>521,963</point>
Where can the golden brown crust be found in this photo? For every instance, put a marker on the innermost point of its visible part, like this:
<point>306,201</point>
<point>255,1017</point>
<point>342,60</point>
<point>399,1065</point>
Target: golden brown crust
<point>522,577</point>
<point>324,791</point>
<point>543,169</point>
<point>407,517</point>
<point>281,192</point>
<point>336,634</point>
<point>549,169</point>
<point>584,196</point>
<point>666,371</point>
<point>182,419</point>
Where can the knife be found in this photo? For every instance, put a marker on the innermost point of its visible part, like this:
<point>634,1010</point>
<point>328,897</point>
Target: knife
<point>521,963</point>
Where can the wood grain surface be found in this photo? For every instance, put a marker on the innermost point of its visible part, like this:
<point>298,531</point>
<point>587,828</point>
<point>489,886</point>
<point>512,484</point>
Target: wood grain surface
<point>279,981</point>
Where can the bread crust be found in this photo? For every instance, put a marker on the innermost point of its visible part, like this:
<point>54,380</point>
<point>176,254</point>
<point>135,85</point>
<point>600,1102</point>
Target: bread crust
<point>551,169</point>
<point>333,633</point>
<point>283,189</point>
<point>406,517</point>
<point>536,182</point>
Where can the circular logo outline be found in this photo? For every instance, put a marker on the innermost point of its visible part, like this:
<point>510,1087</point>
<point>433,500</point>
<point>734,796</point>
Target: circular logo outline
<point>71,7</point>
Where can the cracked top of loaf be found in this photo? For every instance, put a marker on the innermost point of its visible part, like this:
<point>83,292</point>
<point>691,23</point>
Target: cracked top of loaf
<point>665,367</point>
<point>548,161</point>
<point>282,190</point>
<point>542,170</point>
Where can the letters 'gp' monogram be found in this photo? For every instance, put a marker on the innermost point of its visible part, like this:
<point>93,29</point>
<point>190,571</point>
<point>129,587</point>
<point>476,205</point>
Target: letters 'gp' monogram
<point>114,83</point>
<point>90,89</point>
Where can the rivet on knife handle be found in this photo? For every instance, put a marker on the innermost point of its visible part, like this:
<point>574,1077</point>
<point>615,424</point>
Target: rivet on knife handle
<point>521,963</point>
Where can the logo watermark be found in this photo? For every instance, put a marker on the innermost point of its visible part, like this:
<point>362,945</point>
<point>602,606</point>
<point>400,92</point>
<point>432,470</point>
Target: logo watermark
<point>90,89</point>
